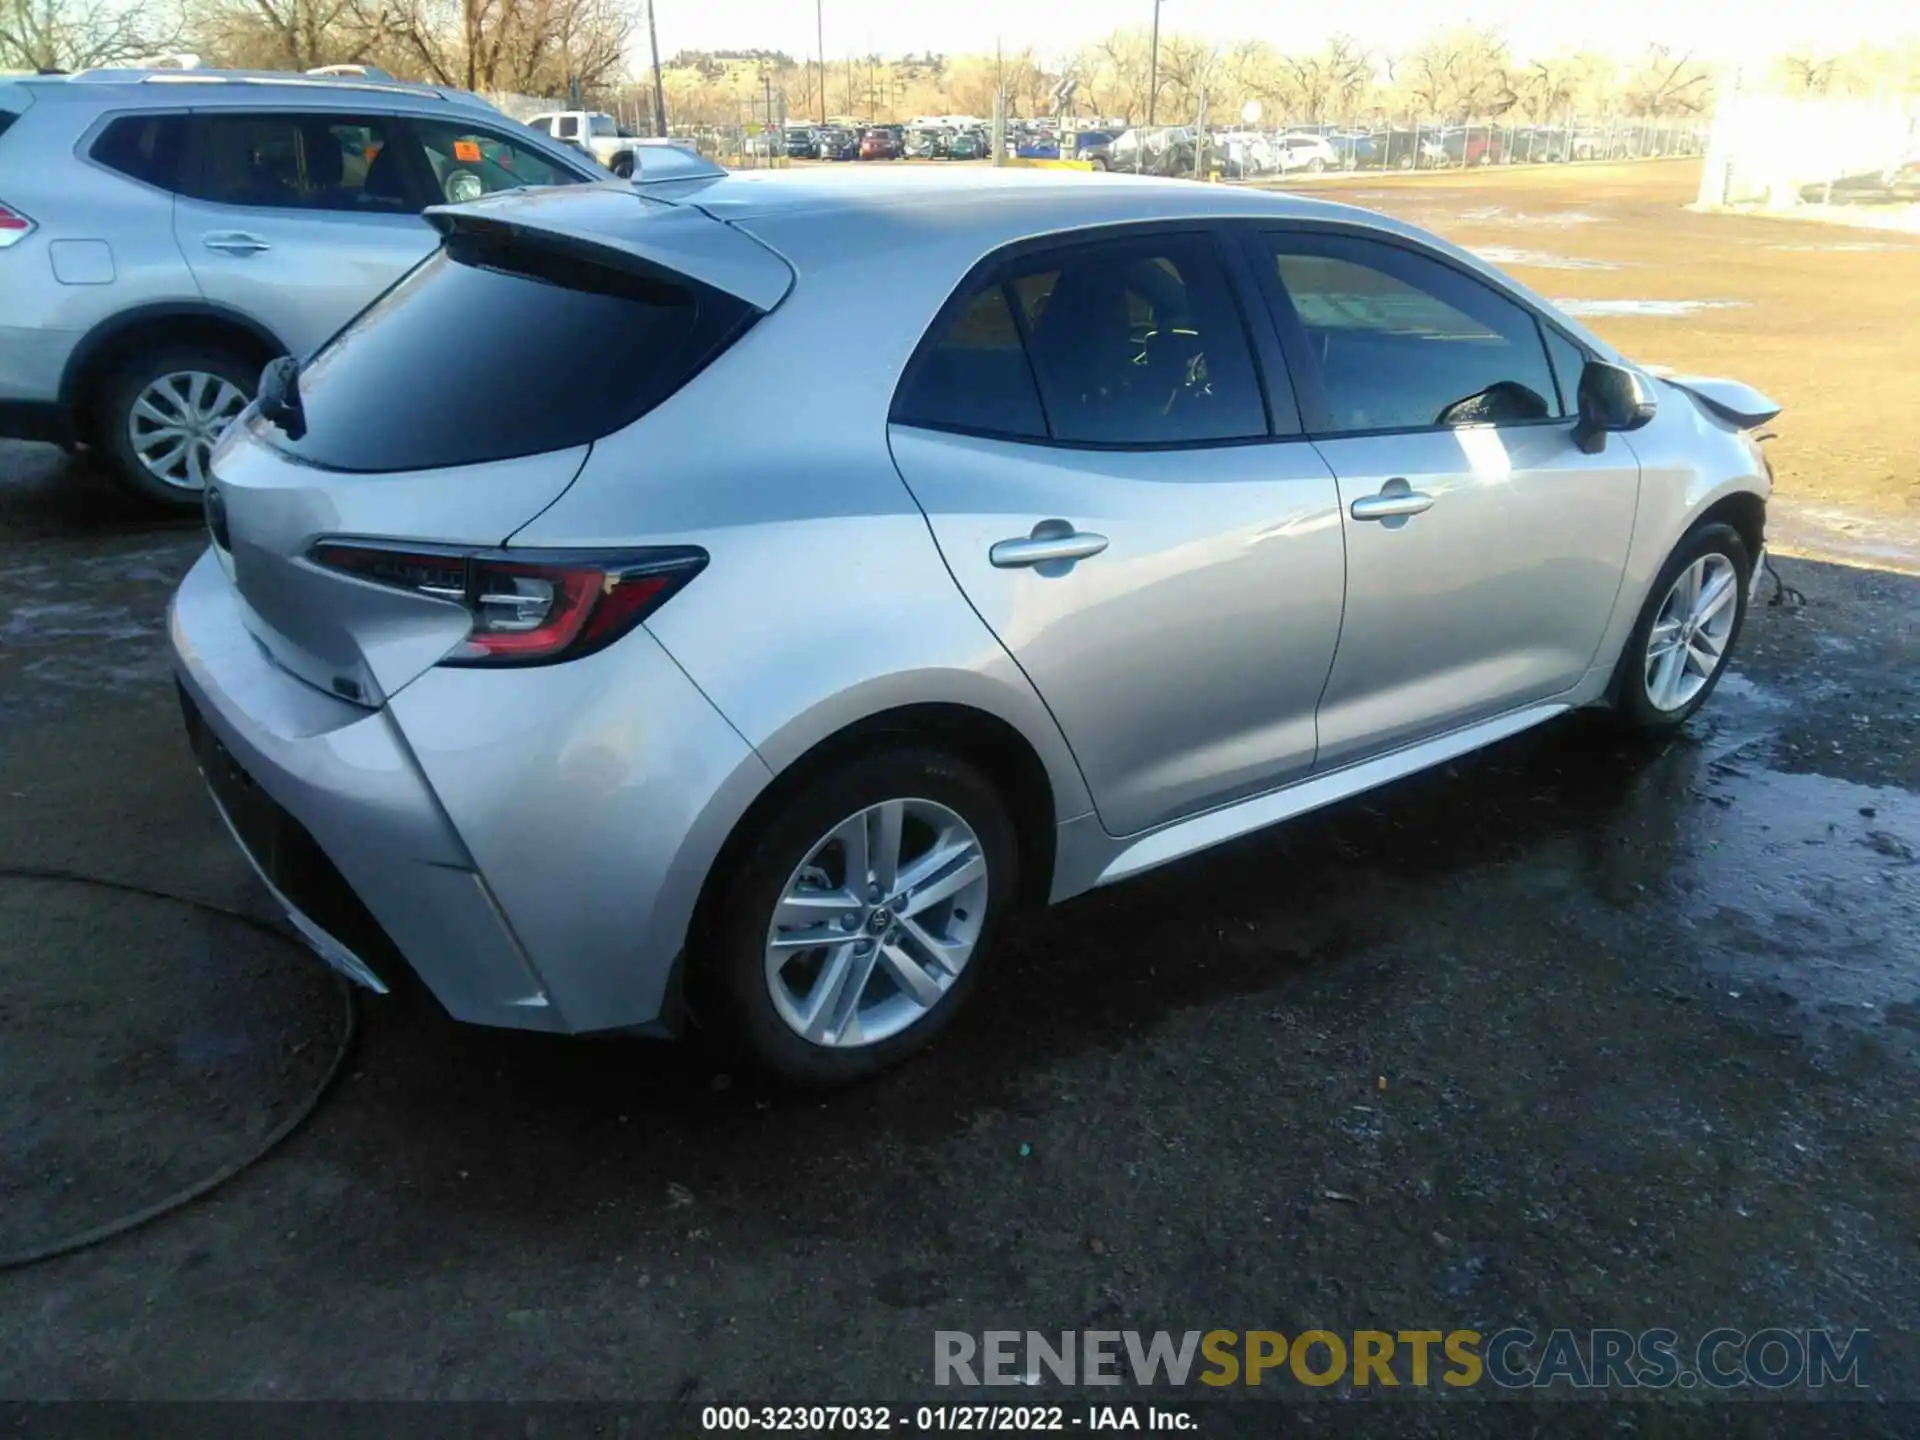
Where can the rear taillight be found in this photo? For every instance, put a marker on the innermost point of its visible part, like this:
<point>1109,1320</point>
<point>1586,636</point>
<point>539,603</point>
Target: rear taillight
<point>528,607</point>
<point>13,226</point>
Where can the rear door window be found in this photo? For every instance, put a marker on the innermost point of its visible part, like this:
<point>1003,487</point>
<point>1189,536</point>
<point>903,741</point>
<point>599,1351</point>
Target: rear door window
<point>283,161</point>
<point>468,162</point>
<point>1139,342</point>
<point>495,348</point>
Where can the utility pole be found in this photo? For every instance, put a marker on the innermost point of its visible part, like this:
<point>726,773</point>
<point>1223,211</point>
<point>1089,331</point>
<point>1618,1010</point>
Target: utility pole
<point>659,92</point>
<point>820,56</point>
<point>1153,63</point>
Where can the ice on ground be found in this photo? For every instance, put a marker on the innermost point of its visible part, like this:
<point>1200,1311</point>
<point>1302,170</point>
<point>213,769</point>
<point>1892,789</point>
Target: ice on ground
<point>1538,259</point>
<point>1658,308</point>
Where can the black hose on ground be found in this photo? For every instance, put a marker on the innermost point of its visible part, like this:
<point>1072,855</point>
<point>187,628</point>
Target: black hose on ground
<point>349,1025</point>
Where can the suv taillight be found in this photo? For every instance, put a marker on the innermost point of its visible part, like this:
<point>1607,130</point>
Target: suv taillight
<point>13,226</point>
<point>529,607</point>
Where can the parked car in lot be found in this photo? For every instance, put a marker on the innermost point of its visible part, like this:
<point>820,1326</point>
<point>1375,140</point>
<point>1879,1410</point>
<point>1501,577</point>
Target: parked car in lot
<point>1473,145</point>
<point>879,144</point>
<point>160,241</point>
<point>967,145</point>
<point>839,144</point>
<point>1354,150</point>
<point>802,142</point>
<point>595,132</point>
<point>1192,509</point>
<point>1312,153</point>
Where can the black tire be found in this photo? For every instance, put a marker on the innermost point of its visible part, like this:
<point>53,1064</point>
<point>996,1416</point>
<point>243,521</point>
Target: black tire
<point>727,981</point>
<point>1633,705</point>
<point>623,166</point>
<point>129,381</point>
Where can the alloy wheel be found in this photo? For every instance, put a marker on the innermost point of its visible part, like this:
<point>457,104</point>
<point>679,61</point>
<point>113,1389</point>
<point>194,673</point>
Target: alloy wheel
<point>876,924</point>
<point>175,421</point>
<point>1690,634</point>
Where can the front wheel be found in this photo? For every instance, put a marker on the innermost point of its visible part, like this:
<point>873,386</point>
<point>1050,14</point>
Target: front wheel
<point>860,919</point>
<point>1681,644</point>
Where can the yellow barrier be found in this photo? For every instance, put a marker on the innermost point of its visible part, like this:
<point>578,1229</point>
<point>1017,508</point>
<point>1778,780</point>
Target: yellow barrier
<point>1050,164</point>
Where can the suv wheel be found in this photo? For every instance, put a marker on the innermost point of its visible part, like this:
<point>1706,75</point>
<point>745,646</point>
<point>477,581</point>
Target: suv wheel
<point>1679,648</point>
<point>859,921</point>
<point>161,412</point>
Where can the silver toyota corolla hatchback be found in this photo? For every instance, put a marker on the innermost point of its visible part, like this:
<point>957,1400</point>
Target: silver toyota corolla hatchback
<point>733,598</point>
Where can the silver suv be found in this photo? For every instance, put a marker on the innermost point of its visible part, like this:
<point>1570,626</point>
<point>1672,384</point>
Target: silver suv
<point>164,234</point>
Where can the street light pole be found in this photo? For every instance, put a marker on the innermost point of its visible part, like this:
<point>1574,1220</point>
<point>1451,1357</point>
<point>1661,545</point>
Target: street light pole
<point>1153,63</point>
<point>659,92</point>
<point>820,56</point>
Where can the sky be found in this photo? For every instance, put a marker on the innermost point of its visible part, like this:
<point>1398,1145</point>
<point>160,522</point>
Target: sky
<point>1709,28</point>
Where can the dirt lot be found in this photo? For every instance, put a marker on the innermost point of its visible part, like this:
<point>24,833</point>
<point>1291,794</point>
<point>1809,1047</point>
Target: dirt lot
<point>1571,1034</point>
<point>1826,319</point>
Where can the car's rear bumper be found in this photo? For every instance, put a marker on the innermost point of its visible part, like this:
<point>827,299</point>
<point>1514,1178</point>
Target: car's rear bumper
<point>332,811</point>
<point>532,842</point>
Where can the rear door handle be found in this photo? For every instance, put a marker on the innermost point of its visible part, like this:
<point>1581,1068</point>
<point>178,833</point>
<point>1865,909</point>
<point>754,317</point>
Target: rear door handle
<point>1396,500</point>
<point>234,242</point>
<point>1051,540</point>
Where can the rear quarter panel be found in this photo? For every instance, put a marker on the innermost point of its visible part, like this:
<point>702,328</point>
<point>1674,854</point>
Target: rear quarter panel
<point>825,601</point>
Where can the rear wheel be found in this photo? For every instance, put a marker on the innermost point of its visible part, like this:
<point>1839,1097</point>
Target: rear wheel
<point>1686,633</point>
<point>855,926</point>
<point>160,413</point>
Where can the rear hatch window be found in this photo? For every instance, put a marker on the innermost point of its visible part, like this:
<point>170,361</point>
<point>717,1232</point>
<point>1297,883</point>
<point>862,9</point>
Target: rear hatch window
<point>502,345</point>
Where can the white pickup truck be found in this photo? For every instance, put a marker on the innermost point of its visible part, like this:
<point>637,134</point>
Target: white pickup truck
<point>595,132</point>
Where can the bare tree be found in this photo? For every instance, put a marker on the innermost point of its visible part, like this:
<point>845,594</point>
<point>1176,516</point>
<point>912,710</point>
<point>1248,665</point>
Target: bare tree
<point>1667,84</point>
<point>283,34</point>
<point>1457,73</point>
<point>1808,73</point>
<point>79,34</point>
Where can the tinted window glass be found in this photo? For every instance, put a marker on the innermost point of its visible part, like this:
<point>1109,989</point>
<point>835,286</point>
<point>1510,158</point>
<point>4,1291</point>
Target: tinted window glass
<point>301,162</point>
<point>975,376</point>
<point>1139,342</point>
<point>602,125</point>
<point>568,128</point>
<point>469,163</point>
<point>1568,361</point>
<point>1403,341</point>
<point>491,349</point>
<point>147,147</point>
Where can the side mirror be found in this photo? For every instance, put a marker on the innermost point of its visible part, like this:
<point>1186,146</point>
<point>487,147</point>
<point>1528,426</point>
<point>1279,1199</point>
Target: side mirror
<point>1611,397</point>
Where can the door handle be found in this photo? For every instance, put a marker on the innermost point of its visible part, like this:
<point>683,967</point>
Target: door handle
<point>1396,501</point>
<point>1051,540</point>
<point>234,242</point>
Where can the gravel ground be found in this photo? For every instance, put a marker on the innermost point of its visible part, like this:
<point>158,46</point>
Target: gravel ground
<point>1571,1034</point>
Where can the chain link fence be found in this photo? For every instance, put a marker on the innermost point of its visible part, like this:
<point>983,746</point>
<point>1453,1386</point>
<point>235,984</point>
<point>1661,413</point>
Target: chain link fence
<point>1410,145</point>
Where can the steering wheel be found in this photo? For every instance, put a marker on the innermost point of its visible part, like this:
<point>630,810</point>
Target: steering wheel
<point>463,185</point>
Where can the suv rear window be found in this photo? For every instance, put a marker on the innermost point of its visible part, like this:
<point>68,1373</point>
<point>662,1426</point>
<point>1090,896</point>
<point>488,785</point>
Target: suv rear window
<point>495,348</point>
